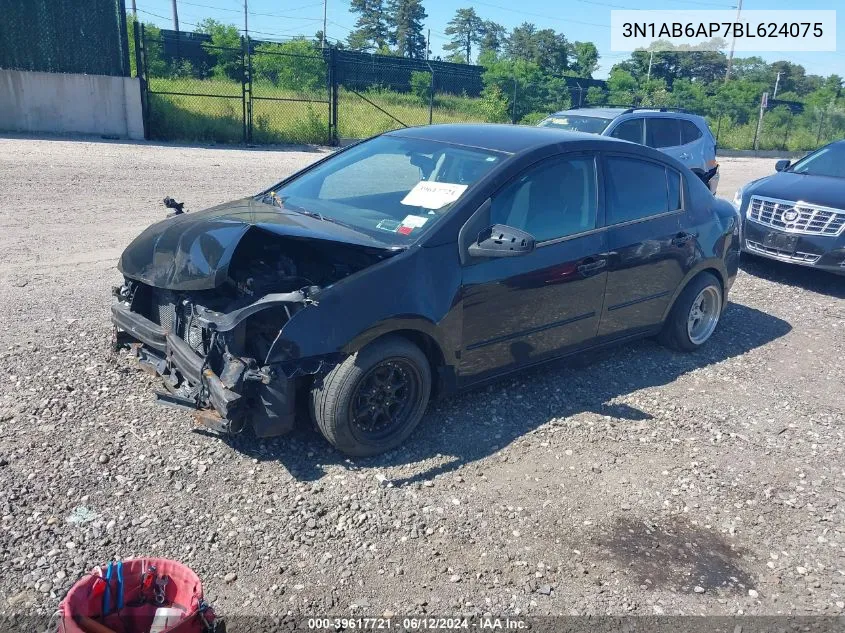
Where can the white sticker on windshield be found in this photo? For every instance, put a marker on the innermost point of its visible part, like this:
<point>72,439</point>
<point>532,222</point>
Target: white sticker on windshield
<point>415,221</point>
<point>433,195</point>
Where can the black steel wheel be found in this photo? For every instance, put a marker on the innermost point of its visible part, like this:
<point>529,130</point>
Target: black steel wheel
<point>372,401</point>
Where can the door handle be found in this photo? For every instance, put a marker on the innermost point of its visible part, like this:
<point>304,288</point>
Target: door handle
<point>591,266</point>
<point>682,238</point>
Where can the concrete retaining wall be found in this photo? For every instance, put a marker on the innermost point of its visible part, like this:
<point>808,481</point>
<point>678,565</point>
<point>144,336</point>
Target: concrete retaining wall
<point>70,104</point>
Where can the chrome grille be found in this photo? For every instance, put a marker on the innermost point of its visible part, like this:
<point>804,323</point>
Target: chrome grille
<point>797,257</point>
<point>796,217</point>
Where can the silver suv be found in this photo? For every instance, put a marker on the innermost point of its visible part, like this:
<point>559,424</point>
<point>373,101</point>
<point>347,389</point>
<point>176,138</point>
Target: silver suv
<point>681,135</point>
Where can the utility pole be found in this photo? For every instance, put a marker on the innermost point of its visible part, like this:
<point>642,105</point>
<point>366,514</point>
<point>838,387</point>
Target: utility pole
<point>325,11</point>
<point>427,44</point>
<point>134,9</point>
<point>175,17</point>
<point>246,21</point>
<point>733,44</point>
<point>777,81</point>
<point>650,59</point>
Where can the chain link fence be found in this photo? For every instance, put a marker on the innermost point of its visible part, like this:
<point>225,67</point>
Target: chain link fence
<point>64,36</point>
<point>296,92</point>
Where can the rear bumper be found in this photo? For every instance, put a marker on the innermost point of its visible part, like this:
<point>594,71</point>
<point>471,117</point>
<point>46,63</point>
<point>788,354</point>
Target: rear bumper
<point>241,392</point>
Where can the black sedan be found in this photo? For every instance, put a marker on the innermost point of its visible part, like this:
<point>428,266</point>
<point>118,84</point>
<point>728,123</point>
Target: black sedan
<point>416,263</point>
<point>797,215</point>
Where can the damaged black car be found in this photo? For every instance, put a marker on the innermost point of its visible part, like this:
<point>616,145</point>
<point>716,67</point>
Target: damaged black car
<point>417,263</point>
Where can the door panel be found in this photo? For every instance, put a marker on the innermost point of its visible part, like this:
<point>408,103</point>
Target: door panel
<point>645,265</point>
<point>648,250</point>
<point>521,310</point>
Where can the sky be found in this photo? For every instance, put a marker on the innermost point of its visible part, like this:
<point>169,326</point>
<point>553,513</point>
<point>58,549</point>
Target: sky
<point>578,20</point>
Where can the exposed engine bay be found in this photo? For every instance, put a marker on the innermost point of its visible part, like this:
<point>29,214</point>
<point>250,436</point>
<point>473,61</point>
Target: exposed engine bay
<point>213,346</point>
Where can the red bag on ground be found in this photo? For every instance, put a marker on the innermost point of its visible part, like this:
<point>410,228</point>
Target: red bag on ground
<point>179,588</point>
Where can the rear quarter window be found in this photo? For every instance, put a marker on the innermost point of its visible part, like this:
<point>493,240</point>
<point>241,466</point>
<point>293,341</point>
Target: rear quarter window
<point>689,132</point>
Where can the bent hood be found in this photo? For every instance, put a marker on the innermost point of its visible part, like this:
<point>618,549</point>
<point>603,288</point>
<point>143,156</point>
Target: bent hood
<point>785,185</point>
<point>193,251</point>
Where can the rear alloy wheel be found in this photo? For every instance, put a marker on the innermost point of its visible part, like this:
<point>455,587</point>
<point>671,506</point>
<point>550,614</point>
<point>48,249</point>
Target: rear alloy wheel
<point>695,315</point>
<point>374,400</point>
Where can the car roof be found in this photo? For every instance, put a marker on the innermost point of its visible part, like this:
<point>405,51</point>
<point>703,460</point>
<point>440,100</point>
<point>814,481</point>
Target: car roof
<point>502,137</point>
<point>612,113</point>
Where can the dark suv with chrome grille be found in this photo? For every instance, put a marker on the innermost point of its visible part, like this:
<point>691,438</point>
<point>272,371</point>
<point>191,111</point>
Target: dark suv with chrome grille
<point>797,215</point>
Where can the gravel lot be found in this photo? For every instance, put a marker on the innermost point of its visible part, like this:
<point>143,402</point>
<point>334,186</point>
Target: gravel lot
<point>634,481</point>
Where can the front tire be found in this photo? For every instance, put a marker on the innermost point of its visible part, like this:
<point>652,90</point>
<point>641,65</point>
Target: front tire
<point>695,315</point>
<point>374,399</point>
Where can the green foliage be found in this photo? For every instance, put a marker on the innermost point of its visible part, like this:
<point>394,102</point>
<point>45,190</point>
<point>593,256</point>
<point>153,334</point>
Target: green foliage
<point>585,58</point>
<point>406,27</point>
<point>621,86</point>
<point>596,96</point>
<point>294,65</point>
<point>421,85</point>
<point>494,105</point>
<point>225,48</point>
<point>465,29</point>
<point>372,26</point>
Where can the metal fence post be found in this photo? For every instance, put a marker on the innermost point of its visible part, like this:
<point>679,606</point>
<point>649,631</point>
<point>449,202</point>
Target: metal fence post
<point>141,73</point>
<point>244,134</point>
<point>821,125</point>
<point>124,39</point>
<point>333,90</point>
<point>431,97</point>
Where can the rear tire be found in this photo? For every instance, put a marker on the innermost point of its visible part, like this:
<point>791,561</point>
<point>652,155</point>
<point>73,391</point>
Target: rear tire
<point>695,315</point>
<point>374,399</point>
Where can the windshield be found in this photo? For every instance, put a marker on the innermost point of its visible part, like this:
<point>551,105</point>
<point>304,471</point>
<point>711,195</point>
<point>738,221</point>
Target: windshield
<point>391,188</point>
<point>576,123</point>
<point>828,161</point>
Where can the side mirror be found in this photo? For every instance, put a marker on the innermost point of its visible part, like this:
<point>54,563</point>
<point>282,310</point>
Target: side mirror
<point>782,165</point>
<point>501,240</point>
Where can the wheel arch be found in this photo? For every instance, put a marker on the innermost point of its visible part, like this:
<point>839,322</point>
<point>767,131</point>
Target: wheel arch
<point>712,267</point>
<point>422,333</point>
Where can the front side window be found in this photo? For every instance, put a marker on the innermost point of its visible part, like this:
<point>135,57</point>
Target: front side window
<point>662,133</point>
<point>554,199</point>
<point>391,188</point>
<point>637,189</point>
<point>630,130</point>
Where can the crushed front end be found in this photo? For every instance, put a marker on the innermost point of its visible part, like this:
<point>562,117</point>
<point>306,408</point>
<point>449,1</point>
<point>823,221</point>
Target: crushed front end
<point>203,367</point>
<point>206,297</point>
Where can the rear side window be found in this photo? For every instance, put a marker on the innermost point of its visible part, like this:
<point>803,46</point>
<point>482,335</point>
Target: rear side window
<point>663,133</point>
<point>637,189</point>
<point>689,132</point>
<point>630,130</point>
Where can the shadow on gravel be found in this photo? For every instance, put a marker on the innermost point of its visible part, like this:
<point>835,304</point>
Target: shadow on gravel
<point>676,555</point>
<point>793,275</point>
<point>473,425</point>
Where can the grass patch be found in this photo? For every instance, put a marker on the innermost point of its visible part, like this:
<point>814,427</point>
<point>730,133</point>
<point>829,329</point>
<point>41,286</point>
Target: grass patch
<point>213,112</point>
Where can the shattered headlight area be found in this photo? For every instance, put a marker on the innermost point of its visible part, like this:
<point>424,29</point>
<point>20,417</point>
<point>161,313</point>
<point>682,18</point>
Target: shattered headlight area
<point>212,360</point>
